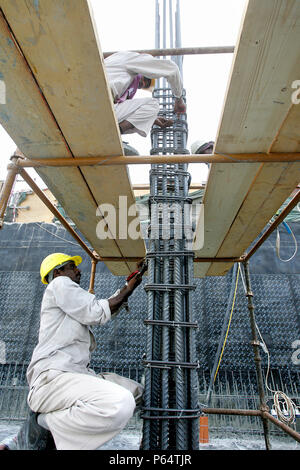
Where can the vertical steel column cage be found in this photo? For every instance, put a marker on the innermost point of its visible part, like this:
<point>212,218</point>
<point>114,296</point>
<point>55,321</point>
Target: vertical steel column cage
<point>171,411</point>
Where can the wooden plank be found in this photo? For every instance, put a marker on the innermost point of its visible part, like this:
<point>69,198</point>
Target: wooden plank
<point>27,119</point>
<point>273,185</point>
<point>265,65</point>
<point>258,116</point>
<point>219,207</point>
<point>68,68</point>
<point>288,139</point>
<point>271,188</point>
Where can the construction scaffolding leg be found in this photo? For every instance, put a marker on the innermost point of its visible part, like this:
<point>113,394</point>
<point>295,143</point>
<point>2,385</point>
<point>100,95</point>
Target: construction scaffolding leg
<point>256,344</point>
<point>6,192</point>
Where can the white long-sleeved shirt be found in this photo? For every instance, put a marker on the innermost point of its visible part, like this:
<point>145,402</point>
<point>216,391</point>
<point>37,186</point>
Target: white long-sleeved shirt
<point>65,340</point>
<point>123,66</point>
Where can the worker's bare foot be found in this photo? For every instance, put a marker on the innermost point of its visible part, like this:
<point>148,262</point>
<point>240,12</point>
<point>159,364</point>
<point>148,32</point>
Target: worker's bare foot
<point>162,122</point>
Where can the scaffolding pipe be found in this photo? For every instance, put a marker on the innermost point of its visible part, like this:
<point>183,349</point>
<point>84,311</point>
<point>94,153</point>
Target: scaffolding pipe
<point>281,425</point>
<point>159,159</point>
<point>263,414</point>
<point>181,51</point>
<point>92,277</point>
<point>16,167</point>
<point>6,192</point>
<point>275,224</point>
<point>230,411</point>
<point>139,187</point>
<point>255,343</point>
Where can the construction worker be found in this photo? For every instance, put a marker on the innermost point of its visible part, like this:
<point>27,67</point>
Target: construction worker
<point>129,71</point>
<point>202,147</point>
<point>68,401</point>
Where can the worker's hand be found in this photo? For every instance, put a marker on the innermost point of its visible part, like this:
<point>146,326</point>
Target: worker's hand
<point>135,278</point>
<point>179,106</point>
<point>134,282</point>
<point>163,122</point>
<point>140,264</point>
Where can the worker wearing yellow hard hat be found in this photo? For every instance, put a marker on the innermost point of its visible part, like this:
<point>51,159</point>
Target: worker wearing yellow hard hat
<point>70,406</point>
<point>55,261</point>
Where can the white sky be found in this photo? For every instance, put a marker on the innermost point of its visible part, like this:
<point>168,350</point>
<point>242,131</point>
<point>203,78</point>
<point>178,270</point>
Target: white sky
<point>130,24</point>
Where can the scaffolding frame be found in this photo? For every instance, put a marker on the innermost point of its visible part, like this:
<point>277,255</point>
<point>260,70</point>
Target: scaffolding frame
<point>18,165</point>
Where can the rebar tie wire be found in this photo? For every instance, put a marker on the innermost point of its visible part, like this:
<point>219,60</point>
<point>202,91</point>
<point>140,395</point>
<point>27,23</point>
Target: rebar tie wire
<point>194,413</point>
<point>167,287</point>
<point>170,199</point>
<point>170,364</point>
<point>171,323</point>
<point>171,172</point>
<point>168,254</point>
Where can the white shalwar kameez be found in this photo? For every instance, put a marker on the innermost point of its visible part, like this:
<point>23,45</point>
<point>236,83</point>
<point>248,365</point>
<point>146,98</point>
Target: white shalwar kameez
<point>81,409</point>
<point>121,68</point>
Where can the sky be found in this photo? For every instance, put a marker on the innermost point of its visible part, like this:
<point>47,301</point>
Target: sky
<point>130,24</point>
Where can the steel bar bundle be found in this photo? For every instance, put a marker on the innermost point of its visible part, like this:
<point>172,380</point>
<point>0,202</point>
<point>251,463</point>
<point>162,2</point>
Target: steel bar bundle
<point>171,411</point>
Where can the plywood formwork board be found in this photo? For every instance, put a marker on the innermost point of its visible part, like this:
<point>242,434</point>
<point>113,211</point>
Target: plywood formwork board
<point>61,60</point>
<point>223,198</point>
<point>271,188</point>
<point>258,116</point>
<point>273,185</point>
<point>27,119</point>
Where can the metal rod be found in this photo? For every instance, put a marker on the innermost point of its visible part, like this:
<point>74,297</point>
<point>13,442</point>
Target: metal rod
<point>264,414</point>
<point>92,277</point>
<point>54,211</point>
<point>140,187</point>
<point>257,358</point>
<point>6,192</point>
<point>275,224</point>
<point>281,425</point>
<point>218,260</point>
<point>160,159</point>
<point>181,51</point>
<point>135,259</point>
<point>229,411</point>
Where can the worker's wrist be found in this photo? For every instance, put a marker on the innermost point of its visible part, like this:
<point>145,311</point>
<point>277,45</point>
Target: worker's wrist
<point>128,288</point>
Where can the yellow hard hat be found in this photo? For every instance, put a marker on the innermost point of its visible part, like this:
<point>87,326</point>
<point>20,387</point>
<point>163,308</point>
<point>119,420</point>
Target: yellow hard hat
<point>53,260</point>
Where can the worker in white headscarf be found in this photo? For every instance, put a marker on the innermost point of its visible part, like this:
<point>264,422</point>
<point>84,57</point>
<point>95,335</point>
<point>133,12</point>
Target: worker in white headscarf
<point>79,409</point>
<point>129,71</point>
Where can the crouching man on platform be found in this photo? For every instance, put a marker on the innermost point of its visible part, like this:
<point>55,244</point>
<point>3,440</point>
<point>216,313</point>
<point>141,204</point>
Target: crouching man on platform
<point>72,408</point>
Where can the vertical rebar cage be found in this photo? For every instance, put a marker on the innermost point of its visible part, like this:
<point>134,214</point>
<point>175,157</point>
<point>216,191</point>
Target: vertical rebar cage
<point>171,411</point>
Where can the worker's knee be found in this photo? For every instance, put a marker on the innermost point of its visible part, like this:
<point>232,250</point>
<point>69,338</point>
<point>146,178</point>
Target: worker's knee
<point>123,409</point>
<point>150,106</point>
<point>154,105</point>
